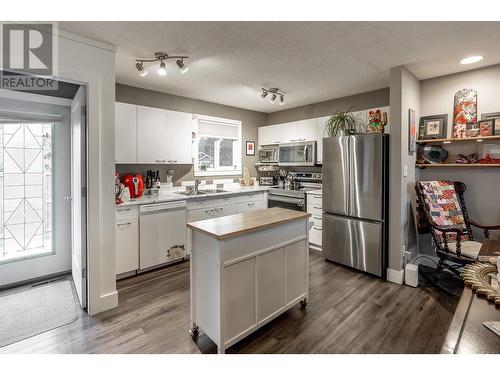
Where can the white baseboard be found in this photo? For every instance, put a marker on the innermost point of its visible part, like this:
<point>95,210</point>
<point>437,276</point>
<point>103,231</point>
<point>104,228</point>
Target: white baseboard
<point>106,302</point>
<point>395,276</point>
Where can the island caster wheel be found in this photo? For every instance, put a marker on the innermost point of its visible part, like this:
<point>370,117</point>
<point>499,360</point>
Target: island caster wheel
<point>303,304</point>
<point>193,332</point>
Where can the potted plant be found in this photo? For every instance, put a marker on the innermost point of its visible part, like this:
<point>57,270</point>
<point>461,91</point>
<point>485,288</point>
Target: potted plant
<point>341,123</point>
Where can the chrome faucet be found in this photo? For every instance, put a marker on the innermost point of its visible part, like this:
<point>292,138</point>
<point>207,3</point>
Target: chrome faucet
<point>196,184</point>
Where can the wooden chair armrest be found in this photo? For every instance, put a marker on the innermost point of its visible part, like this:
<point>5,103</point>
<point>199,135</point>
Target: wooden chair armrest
<point>486,228</point>
<point>489,227</point>
<point>448,229</point>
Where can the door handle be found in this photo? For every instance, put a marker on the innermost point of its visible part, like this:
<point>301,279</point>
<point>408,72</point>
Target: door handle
<point>68,199</point>
<point>123,223</point>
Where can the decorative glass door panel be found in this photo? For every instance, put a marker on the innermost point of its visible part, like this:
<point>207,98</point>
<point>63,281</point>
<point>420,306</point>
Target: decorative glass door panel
<point>25,191</point>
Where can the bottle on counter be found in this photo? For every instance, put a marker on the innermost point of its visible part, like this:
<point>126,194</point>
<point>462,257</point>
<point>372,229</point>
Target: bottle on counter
<point>157,180</point>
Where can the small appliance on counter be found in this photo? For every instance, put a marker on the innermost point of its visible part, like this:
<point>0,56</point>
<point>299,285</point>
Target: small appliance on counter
<point>134,183</point>
<point>267,180</point>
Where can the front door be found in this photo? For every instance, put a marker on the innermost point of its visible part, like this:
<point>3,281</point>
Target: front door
<point>34,181</point>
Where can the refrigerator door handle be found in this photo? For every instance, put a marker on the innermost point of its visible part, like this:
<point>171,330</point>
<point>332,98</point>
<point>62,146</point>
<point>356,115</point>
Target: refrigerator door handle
<point>348,158</point>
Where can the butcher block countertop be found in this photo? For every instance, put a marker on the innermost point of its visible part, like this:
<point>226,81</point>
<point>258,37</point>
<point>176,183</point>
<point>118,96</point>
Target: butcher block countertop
<point>230,226</point>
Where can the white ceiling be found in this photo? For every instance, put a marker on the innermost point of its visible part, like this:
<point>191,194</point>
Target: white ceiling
<point>309,61</point>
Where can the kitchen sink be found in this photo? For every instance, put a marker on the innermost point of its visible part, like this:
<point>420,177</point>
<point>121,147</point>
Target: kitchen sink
<point>212,191</point>
<point>189,193</point>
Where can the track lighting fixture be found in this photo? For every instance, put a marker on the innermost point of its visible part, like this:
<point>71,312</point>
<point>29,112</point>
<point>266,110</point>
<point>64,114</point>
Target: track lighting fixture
<point>162,69</point>
<point>180,64</point>
<point>142,71</point>
<point>274,94</point>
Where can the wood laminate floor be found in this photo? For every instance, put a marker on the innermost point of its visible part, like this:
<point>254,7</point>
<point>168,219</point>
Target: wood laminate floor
<point>348,312</point>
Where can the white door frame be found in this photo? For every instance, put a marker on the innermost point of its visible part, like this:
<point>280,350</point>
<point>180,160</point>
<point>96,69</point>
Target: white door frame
<point>100,297</point>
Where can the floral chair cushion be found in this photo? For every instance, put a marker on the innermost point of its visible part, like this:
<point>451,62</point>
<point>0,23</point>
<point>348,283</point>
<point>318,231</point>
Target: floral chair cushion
<point>441,201</point>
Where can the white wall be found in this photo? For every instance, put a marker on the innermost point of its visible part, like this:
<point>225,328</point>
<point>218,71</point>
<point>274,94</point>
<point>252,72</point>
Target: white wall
<point>404,94</point>
<point>483,185</point>
<point>93,63</point>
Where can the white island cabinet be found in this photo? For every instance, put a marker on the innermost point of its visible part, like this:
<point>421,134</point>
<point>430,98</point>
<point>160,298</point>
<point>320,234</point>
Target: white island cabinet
<point>247,269</point>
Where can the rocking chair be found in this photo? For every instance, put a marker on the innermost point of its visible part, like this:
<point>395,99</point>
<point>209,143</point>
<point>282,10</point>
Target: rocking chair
<point>441,211</point>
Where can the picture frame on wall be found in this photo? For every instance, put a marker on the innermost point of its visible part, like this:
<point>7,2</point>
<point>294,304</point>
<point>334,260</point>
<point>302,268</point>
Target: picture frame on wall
<point>496,126</point>
<point>486,127</point>
<point>250,148</point>
<point>472,130</point>
<point>412,131</point>
<point>433,127</point>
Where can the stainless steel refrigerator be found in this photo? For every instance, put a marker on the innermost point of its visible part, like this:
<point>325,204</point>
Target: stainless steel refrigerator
<point>355,201</point>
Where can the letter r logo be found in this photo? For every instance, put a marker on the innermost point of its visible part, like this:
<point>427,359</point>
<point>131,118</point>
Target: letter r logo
<point>28,48</point>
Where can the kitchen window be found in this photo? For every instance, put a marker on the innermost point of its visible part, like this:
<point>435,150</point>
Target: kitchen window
<point>217,147</point>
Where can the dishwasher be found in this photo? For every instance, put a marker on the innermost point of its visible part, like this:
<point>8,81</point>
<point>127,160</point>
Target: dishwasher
<point>162,233</point>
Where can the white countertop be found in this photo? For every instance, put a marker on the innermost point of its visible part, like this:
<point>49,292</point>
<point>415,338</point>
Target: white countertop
<point>170,196</point>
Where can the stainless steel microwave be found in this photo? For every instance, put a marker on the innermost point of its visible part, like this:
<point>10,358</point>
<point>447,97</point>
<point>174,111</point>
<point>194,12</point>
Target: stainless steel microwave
<point>268,154</point>
<point>297,154</point>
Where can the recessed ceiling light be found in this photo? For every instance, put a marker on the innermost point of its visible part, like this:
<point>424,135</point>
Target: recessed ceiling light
<point>471,60</point>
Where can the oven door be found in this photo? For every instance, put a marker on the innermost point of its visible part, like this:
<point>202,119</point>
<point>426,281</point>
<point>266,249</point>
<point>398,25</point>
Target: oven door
<point>296,204</point>
<point>297,154</point>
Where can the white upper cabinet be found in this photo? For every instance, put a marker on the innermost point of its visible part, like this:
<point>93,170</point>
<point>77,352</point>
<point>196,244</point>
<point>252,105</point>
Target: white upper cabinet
<point>306,130</point>
<point>269,135</point>
<point>152,135</point>
<point>179,138</point>
<point>320,134</point>
<point>125,133</point>
<point>289,132</point>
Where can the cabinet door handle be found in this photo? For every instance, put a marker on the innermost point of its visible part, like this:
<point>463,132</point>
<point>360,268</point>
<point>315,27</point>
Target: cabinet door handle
<point>160,161</point>
<point>226,198</point>
<point>317,228</point>
<point>317,208</point>
<point>172,161</point>
<point>317,218</point>
<point>219,210</point>
<point>209,212</point>
<point>119,224</point>
<point>251,204</point>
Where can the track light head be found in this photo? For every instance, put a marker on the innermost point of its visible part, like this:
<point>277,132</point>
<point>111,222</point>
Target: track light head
<point>263,95</point>
<point>140,68</point>
<point>162,70</point>
<point>273,98</point>
<point>282,100</point>
<point>183,68</point>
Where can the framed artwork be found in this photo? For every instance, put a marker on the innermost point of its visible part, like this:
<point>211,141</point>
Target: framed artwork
<point>486,128</point>
<point>433,127</point>
<point>496,126</point>
<point>412,131</point>
<point>472,130</point>
<point>489,116</point>
<point>250,148</point>
<point>464,111</point>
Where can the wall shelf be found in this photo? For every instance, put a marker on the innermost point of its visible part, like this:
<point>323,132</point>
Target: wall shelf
<point>456,165</point>
<point>454,140</point>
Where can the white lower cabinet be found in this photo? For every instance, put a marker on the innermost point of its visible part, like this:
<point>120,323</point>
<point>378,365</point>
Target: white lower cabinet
<point>240,284</point>
<point>314,207</point>
<point>270,286</point>
<point>127,240</point>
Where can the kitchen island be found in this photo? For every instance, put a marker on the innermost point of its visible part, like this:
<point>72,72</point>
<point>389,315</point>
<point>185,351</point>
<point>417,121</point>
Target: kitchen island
<point>246,269</point>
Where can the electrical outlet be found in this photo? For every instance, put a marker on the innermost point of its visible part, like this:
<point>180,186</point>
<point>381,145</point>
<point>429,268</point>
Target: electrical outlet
<point>407,254</point>
<point>405,171</point>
